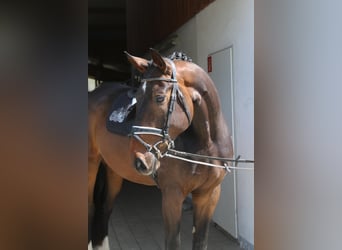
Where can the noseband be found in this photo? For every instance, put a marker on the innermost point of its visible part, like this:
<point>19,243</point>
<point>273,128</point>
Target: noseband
<point>164,132</point>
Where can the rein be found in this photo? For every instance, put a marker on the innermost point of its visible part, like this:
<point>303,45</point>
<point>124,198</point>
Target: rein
<point>184,156</point>
<point>166,139</point>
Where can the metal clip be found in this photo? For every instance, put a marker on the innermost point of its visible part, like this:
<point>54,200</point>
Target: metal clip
<point>226,167</point>
<point>237,160</point>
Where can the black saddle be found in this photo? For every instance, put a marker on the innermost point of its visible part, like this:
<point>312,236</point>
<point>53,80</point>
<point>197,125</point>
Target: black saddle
<point>122,113</point>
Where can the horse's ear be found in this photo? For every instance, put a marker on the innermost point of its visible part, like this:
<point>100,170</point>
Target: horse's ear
<point>158,60</point>
<point>195,96</point>
<point>140,64</point>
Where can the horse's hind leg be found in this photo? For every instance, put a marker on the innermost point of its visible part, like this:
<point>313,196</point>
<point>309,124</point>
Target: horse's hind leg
<point>114,183</point>
<point>93,166</point>
<point>204,206</point>
<point>104,204</point>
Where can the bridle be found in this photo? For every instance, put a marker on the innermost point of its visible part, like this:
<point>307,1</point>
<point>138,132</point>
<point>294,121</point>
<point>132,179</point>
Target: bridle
<point>163,133</point>
<point>167,140</point>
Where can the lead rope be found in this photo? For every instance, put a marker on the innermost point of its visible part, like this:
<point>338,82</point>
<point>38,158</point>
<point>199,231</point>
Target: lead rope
<point>175,154</point>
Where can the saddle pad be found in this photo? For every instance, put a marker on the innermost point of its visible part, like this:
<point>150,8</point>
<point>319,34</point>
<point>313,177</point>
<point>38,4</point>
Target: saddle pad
<point>122,114</point>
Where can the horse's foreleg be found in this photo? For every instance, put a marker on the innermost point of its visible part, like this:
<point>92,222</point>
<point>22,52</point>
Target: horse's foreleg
<point>172,211</point>
<point>204,206</point>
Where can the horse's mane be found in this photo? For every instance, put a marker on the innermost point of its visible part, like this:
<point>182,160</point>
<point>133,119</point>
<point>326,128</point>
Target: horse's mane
<point>179,55</point>
<point>204,84</point>
<point>209,109</point>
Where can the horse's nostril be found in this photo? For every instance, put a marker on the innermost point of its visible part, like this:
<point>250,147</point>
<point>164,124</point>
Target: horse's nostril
<point>139,165</point>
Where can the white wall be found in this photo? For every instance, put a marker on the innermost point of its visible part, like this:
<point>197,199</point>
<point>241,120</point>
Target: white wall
<point>224,23</point>
<point>186,40</point>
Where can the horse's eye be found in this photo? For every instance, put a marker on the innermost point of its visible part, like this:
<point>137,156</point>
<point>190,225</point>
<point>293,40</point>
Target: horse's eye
<point>160,99</point>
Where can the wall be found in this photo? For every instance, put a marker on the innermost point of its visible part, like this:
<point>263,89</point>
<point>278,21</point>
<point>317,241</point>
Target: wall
<point>144,26</point>
<point>224,23</point>
<point>186,40</point>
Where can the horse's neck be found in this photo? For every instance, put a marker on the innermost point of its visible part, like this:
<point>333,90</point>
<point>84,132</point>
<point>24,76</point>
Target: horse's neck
<point>208,123</point>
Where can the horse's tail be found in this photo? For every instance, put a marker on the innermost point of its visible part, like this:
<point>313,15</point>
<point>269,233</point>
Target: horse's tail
<point>99,226</point>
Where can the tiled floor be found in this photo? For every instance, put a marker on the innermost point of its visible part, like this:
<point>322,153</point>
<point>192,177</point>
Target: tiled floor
<point>136,223</point>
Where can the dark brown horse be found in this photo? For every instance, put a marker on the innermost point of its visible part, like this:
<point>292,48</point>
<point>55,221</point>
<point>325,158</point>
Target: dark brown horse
<point>177,107</point>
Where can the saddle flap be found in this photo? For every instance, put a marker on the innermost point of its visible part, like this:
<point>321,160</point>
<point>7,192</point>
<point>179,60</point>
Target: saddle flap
<point>122,113</point>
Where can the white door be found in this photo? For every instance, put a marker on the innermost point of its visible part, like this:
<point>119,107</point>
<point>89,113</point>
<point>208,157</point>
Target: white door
<point>220,71</point>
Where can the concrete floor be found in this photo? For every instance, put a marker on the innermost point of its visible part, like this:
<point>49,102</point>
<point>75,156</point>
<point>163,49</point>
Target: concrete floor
<point>136,223</point>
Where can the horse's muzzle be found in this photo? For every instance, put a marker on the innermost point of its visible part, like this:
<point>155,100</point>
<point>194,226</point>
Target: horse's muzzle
<point>146,163</point>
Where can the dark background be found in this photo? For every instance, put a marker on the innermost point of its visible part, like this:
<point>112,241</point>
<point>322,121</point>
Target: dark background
<point>132,25</point>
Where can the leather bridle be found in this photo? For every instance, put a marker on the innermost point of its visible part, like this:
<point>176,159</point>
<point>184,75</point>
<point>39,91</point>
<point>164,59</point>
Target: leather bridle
<point>163,133</point>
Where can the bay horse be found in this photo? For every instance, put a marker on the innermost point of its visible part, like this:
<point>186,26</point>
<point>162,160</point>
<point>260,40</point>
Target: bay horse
<point>177,108</point>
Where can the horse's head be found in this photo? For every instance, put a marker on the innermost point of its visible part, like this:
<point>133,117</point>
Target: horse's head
<point>164,110</point>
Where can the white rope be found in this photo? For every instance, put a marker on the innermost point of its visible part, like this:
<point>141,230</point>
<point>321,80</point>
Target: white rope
<point>207,164</point>
<point>186,154</point>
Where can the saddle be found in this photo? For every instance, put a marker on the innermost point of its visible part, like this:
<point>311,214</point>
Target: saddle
<point>122,113</point>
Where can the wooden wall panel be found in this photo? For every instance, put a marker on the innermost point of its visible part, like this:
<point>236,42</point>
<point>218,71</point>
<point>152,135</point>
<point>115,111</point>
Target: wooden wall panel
<point>151,21</point>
